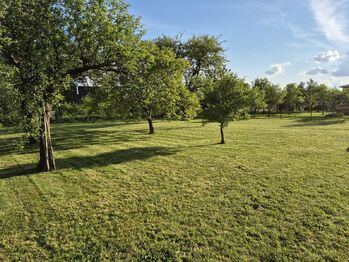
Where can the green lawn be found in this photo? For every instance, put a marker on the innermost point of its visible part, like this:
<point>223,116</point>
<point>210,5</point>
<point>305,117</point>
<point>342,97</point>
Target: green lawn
<point>277,191</point>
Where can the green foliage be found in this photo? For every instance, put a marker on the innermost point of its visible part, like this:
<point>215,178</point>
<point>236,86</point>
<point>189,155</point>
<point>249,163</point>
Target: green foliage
<point>204,53</point>
<point>274,96</point>
<point>257,95</point>
<point>155,88</point>
<point>323,96</point>
<point>335,97</point>
<point>9,102</point>
<point>311,95</point>
<point>292,97</point>
<point>227,100</point>
<point>51,42</point>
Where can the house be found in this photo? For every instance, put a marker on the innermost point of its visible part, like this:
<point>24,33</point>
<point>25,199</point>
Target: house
<point>344,107</point>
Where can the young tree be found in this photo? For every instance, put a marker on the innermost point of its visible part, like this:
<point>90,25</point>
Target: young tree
<point>311,96</point>
<point>226,101</point>
<point>323,97</point>
<point>155,88</point>
<point>291,97</point>
<point>52,42</point>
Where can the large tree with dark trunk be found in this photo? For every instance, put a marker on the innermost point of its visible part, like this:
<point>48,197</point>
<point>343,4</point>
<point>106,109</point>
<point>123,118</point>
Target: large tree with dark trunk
<point>50,43</point>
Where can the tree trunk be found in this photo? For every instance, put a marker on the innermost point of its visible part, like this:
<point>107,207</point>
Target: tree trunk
<point>222,134</point>
<point>47,161</point>
<point>311,113</point>
<point>151,126</point>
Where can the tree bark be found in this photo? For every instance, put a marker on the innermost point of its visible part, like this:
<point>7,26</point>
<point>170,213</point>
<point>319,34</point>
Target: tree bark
<point>222,134</point>
<point>151,126</point>
<point>47,162</point>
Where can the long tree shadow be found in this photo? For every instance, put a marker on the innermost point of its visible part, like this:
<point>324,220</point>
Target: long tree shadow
<point>76,136</point>
<point>316,122</point>
<point>101,160</point>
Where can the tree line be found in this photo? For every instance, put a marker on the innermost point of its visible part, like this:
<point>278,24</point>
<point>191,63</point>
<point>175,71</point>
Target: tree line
<point>47,46</point>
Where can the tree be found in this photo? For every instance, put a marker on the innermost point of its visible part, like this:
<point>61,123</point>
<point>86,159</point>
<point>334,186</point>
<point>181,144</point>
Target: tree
<point>273,97</point>
<point>257,95</point>
<point>291,97</point>
<point>205,55</point>
<point>335,97</point>
<point>155,88</point>
<point>323,97</point>
<point>226,101</point>
<point>301,96</point>
<point>52,42</point>
<point>311,96</point>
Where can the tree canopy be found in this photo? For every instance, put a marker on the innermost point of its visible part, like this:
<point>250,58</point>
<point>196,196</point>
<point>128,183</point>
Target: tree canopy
<point>52,42</point>
<point>226,100</point>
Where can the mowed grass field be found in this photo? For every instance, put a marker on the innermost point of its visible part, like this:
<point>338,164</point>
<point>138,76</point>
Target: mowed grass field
<point>277,191</point>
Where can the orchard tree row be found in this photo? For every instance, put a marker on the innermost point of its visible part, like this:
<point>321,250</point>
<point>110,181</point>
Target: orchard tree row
<point>46,47</point>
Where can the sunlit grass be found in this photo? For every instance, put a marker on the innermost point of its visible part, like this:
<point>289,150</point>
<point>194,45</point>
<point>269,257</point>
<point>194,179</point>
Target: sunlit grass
<point>278,190</point>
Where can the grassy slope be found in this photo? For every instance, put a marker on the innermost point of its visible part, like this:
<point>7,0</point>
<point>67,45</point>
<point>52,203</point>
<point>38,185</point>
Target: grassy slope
<point>278,190</point>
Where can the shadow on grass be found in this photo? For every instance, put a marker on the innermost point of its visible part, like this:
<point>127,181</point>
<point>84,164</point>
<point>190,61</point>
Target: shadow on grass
<point>317,121</point>
<point>75,136</point>
<point>101,160</point>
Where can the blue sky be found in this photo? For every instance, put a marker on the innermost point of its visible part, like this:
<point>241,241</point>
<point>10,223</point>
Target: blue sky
<point>284,40</point>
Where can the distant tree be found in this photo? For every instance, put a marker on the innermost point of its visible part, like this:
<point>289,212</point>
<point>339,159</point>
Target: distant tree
<point>291,98</point>
<point>226,101</point>
<point>155,88</point>
<point>273,97</point>
<point>335,97</point>
<point>311,96</point>
<point>301,96</point>
<point>257,100</point>
<point>52,42</point>
<point>323,97</point>
<point>205,55</point>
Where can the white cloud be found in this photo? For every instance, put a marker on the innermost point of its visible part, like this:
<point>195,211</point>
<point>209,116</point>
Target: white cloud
<point>343,69</point>
<point>317,71</point>
<point>331,18</point>
<point>328,56</point>
<point>277,69</point>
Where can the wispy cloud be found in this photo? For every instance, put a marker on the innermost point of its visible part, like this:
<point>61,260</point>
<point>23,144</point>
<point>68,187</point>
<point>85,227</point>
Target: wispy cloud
<point>331,19</point>
<point>318,71</point>
<point>305,36</point>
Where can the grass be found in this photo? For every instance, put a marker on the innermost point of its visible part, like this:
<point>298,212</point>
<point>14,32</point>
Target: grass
<point>277,191</point>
